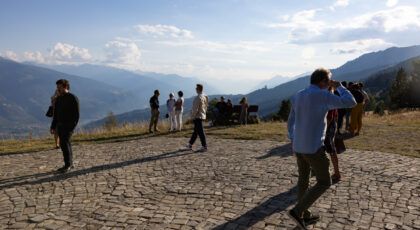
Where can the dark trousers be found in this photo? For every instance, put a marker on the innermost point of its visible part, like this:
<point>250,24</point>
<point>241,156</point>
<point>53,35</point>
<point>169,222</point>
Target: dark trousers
<point>65,144</point>
<point>154,119</point>
<point>198,130</point>
<point>319,164</point>
<point>341,113</point>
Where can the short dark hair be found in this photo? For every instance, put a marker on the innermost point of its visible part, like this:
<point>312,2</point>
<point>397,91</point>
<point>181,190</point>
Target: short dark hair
<point>351,83</point>
<point>200,87</point>
<point>157,91</point>
<point>360,84</point>
<point>65,83</point>
<point>344,83</point>
<point>180,93</point>
<point>319,75</point>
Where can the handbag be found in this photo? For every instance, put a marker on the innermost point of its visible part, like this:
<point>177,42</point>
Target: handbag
<point>50,111</point>
<point>339,145</point>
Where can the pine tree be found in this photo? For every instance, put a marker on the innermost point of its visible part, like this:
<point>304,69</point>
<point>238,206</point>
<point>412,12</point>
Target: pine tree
<point>210,109</point>
<point>283,113</point>
<point>111,121</point>
<point>398,92</point>
<point>414,86</point>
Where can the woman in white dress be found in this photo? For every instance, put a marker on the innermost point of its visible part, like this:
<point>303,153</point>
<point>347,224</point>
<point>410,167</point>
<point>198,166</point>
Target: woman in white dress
<point>179,109</point>
<point>171,112</point>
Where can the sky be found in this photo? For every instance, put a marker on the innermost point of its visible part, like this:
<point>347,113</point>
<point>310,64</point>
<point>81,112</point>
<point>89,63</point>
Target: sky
<point>231,43</point>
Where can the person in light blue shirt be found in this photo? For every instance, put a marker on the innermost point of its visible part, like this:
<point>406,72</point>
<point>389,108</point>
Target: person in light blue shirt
<point>306,129</point>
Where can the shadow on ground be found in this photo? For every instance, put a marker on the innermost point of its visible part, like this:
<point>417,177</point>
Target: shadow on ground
<point>112,139</point>
<point>22,180</point>
<point>273,205</point>
<point>280,151</point>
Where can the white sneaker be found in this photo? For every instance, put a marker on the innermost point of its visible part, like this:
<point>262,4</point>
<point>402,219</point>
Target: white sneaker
<point>189,146</point>
<point>203,149</point>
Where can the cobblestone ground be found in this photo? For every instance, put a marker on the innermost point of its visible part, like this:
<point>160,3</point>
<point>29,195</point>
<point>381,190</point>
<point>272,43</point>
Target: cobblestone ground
<point>156,184</point>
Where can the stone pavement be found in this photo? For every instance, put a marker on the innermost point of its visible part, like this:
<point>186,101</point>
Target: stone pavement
<point>156,184</point>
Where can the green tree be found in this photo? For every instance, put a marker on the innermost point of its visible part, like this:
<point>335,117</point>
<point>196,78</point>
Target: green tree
<point>372,103</point>
<point>210,109</point>
<point>414,86</point>
<point>283,113</point>
<point>398,93</point>
<point>379,108</point>
<point>111,121</point>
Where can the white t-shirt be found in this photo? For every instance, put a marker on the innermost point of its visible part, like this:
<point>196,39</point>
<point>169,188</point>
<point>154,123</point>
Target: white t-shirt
<point>170,105</point>
<point>180,105</point>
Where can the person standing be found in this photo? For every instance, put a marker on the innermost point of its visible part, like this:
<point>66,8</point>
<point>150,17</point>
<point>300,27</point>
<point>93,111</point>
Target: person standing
<point>154,108</point>
<point>243,119</point>
<point>365,96</point>
<point>65,119</point>
<point>329,142</point>
<point>341,112</point>
<point>221,111</point>
<point>53,100</point>
<point>179,109</point>
<point>307,134</point>
<point>229,111</point>
<point>170,105</point>
<point>356,111</point>
<point>198,114</point>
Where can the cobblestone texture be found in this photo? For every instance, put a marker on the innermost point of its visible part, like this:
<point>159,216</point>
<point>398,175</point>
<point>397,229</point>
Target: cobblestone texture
<point>156,184</point>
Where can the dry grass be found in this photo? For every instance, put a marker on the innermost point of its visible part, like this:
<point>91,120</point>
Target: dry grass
<point>394,133</point>
<point>100,135</point>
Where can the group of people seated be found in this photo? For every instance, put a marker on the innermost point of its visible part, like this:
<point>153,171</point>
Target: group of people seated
<point>223,112</point>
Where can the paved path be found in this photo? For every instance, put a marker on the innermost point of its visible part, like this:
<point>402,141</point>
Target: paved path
<point>155,184</point>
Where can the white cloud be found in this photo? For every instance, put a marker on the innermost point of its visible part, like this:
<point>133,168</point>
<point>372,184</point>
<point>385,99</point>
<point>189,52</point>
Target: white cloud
<point>304,28</point>
<point>164,30</point>
<point>123,39</point>
<point>121,54</point>
<point>397,19</point>
<point>308,53</point>
<point>360,46</point>
<point>391,3</point>
<point>236,48</point>
<point>63,52</point>
<point>302,24</point>
<point>339,3</point>
<point>11,55</point>
<point>34,57</point>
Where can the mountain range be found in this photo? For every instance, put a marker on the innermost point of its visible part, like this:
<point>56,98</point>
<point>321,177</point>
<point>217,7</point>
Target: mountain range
<point>142,84</point>
<point>25,92</point>
<point>25,89</point>
<point>364,68</point>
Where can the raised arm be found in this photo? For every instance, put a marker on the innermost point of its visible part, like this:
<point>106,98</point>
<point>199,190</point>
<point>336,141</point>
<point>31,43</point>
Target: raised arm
<point>345,100</point>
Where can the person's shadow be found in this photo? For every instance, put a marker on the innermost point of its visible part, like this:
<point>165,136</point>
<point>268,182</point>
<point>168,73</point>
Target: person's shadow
<point>280,151</point>
<point>273,205</point>
<point>55,176</point>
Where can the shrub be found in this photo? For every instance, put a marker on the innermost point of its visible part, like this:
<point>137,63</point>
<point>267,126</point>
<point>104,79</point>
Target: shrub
<point>380,108</point>
<point>111,121</point>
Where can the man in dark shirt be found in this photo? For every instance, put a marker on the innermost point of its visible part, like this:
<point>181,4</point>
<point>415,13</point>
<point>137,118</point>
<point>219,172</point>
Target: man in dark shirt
<point>221,110</point>
<point>154,107</point>
<point>65,118</point>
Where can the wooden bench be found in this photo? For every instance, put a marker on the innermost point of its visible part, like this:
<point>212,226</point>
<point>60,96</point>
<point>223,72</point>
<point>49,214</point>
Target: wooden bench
<point>252,114</point>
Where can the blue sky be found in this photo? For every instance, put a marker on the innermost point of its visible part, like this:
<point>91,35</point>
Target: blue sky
<point>234,41</point>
